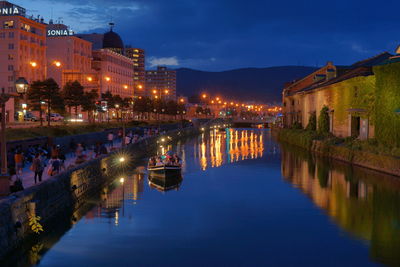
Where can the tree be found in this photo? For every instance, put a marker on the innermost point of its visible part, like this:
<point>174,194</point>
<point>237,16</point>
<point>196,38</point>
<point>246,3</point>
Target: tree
<point>107,96</point>
<point>312,122</point>
<point>36,97</point>
<point>323,121</point>
<point>46,91</point>
<point>73,94</point>
<point>89,103</point>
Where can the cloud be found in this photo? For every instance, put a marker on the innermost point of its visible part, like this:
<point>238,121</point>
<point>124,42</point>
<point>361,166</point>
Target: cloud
<point>163,61</point>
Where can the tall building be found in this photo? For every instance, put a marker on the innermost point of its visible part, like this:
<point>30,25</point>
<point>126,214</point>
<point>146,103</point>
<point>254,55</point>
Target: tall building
<point>22,49</point>
<point>69,58</point>
<point>115,72</point>
<point>161,83</point>
<point>139,72</point>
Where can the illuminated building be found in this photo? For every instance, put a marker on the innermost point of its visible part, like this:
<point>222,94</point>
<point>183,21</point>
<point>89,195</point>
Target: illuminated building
<point>69,58</point>
<point>23,49</point>
<point>161,83</point>
<point>114,70</point>
<point>139,73</point>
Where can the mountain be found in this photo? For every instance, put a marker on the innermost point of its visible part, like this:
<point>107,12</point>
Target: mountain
<point>249,84</point>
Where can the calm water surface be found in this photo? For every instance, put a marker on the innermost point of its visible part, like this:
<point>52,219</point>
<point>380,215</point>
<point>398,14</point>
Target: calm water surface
<point>243,201</point>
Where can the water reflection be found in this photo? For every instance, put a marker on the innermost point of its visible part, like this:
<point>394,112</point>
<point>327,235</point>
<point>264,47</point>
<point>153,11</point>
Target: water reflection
<point>362,202</point>
<point>220,147</point>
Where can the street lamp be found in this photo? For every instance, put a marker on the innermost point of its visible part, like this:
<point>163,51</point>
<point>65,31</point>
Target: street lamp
<point>21,86</point>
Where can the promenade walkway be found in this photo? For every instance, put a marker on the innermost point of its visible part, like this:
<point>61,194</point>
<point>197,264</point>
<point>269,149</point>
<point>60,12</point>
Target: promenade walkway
<point>27,176</point>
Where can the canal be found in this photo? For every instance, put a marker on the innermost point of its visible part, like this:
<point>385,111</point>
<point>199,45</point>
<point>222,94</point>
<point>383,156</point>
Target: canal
<point>244,200</point>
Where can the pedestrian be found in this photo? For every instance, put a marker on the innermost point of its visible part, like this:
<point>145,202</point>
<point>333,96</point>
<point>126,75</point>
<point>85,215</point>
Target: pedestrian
<point>37,167</point>
<point>54,166</point>
<point>72,146</point>
<point>79,150</point>
<point>55,150</point>
<point>62,159</point>
<point>110,139</point>
<point>19,159</point>
<point>103,149</point>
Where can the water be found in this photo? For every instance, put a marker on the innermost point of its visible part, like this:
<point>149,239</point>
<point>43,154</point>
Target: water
<point>243,201</point>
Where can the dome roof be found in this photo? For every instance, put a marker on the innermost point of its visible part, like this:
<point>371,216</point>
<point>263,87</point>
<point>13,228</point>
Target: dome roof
<point>112,40</point>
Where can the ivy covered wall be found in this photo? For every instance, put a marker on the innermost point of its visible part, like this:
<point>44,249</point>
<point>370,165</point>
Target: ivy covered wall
<point>355,93</point>
<point>387,102</point>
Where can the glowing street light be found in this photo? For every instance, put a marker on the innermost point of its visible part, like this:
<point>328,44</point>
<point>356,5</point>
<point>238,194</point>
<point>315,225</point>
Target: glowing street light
<point>33,64</point>
<point>108,79</point>
<point>121,180</point>
<point>89,79</point>
<point>121,159</point>
<point>57,64</point>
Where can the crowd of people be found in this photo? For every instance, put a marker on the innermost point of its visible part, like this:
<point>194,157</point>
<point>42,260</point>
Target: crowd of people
<point>53,160</point>
<point>165,160</point>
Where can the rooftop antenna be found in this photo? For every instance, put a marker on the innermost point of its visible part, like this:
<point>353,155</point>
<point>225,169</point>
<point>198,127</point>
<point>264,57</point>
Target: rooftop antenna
<point>112,24</point>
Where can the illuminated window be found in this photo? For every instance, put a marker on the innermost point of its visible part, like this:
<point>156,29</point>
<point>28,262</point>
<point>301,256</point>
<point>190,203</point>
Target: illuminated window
<point>9,24</point>
<point>10,56</point>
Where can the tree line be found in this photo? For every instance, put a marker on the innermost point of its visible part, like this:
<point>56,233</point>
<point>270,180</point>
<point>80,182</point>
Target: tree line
<point>48,95</point>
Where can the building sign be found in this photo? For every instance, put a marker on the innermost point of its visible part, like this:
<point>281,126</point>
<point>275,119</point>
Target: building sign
<point>9,11</point>
<point>64,32</point>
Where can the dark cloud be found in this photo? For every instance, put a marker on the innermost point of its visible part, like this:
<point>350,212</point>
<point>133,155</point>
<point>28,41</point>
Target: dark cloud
<point>225,34</point>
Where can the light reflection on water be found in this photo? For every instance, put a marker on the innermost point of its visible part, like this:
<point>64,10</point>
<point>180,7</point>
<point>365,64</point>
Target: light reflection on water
<point>241,203</point>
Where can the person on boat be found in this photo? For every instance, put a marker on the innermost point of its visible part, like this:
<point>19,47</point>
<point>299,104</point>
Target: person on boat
<point>159,162</point>
<point>177,160</point>
<point>152,162</point>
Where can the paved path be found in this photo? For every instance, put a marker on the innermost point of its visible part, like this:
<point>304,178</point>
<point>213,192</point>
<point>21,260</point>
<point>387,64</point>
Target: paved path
<point>27,175</point>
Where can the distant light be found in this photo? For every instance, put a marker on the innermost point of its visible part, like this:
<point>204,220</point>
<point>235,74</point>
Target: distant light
<point>121,180</point>
<point>89,79</point>
<point>108,79</point>
<point>57,63</point>
<point>33,64</point>
<point>121,159</point>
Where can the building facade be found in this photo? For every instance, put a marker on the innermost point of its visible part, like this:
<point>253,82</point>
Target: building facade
<point>114,71</point>
<point>69,58</point>
<point>347,92</point>
<point>139,73</point>
<point>22,50</point>
<point>161,83</point>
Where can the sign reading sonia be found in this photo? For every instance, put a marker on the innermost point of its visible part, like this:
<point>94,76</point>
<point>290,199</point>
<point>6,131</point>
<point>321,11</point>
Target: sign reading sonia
<point>9,11</point>
<point>60,32</point>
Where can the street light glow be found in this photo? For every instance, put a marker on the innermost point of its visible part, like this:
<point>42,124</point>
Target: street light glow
<point>33,64</point>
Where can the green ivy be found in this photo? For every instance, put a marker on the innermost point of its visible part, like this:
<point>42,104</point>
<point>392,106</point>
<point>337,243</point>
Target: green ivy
<point>387,130</point>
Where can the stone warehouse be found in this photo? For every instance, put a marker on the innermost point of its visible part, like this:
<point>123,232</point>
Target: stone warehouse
<point>359,100</point>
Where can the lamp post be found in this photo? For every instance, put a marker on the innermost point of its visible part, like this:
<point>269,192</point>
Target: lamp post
<point>21,86</point>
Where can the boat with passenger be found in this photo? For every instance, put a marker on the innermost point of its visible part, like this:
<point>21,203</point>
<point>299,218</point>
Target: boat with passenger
<point>165,166</point>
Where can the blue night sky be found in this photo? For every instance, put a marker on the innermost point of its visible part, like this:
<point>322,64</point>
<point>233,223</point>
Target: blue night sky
<point>226,34</point>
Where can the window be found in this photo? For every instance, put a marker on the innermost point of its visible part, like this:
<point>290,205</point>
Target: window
<point>11,46</point>
<point>11,35</point>
<point>10,67</point>
<point>10,78</point>
<point>9,24</point>
<point>2,35</point>
<point>355,91</point>
<point>10,56</point>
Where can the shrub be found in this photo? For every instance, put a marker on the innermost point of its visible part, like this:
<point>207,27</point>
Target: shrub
<point>312,122</point>
<point>297,125</point>
<point>323,121</point>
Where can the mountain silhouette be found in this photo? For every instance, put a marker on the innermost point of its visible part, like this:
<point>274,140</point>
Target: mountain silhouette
<point>249,84</point>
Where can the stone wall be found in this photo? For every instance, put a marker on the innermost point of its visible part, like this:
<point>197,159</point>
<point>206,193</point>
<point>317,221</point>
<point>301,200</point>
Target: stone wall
<point>68,190</point>
<point>382,163</point>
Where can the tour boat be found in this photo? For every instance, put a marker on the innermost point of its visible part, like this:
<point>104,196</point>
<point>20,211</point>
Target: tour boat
<point>164,171</point>
<point>165,183</point>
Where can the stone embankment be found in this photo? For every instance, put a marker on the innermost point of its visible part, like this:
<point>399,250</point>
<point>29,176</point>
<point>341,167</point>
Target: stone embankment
<point>67,191</point>
<point>378,162</point>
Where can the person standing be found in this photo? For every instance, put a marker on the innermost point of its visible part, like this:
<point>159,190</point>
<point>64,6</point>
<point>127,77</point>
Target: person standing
<point>37,167</point>
<point>19,159</point>
<point>110,138</point>
<point>72,146</point>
